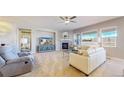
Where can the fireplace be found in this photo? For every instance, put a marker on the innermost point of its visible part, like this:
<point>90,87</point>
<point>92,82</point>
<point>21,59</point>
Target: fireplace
<point>65,45</point>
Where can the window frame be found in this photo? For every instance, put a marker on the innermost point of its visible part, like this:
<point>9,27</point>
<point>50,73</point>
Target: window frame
<point>90,31</point>
<point>107,28</point>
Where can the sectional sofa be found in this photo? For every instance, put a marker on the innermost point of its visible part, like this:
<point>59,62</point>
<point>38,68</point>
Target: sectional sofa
<point>88,59</point>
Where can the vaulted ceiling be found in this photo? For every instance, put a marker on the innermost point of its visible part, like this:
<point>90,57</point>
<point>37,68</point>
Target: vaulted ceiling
<point>53,22</point>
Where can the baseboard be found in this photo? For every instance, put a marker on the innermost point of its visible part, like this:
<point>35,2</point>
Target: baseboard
<point>115,58</point>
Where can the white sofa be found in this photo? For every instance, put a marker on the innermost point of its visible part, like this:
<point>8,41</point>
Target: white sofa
<point>90,59</point>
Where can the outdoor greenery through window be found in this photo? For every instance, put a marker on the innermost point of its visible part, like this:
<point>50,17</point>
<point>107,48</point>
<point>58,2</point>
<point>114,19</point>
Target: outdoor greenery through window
<point>109,37</point>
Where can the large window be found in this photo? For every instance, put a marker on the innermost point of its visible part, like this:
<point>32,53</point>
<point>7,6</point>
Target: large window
<point>109,37</point>
<point>106,37</point>
<point>89,36</point>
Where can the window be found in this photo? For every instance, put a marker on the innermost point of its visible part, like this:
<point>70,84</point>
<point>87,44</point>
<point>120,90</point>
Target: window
<point>77,39</point>
<point>109,37</point>
<point>89,37</point>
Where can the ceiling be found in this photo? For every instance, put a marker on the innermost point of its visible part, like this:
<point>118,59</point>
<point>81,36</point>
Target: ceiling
<point>53,22</point>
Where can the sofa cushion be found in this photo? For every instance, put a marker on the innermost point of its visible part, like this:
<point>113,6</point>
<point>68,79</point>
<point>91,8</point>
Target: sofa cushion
<point>6,52</point>
<point>88,52</point>
<point>5,49</point>
<point>2,62</point>
<point>20,59</point>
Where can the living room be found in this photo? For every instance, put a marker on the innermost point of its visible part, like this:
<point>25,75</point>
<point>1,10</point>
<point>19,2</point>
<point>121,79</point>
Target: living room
<point>52,46</point>
<point>68,38</point>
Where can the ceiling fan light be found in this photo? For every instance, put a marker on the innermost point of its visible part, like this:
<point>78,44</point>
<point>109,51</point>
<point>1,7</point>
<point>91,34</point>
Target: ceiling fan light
<point>67,21</point>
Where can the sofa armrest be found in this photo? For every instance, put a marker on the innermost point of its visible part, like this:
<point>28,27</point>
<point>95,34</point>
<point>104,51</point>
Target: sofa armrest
<point>20,59</point>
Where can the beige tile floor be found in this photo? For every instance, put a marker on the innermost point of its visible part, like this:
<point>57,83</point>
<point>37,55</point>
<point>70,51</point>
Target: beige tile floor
<point>55,64</point>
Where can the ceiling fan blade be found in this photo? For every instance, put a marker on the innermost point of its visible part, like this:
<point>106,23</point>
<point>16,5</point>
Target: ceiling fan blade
<point>73,21</point>
<point>73,17</point>
<point>62,18</point>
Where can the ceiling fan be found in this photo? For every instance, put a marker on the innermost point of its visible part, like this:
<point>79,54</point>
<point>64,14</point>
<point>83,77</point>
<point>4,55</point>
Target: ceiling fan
<point>68,19</point>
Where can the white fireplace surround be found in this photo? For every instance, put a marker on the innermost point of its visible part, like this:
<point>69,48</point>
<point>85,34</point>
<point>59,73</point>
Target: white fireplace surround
<point>70,42</point>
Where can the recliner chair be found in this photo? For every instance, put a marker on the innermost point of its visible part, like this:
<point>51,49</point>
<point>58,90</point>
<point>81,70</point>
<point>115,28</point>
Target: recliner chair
<point>14,64</point>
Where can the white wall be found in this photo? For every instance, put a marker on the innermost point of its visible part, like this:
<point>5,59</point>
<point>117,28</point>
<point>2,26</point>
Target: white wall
<point>70,34</point>
<point>12,37</point>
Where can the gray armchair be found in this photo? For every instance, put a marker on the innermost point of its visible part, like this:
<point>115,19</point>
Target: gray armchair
<point>13,64</point>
